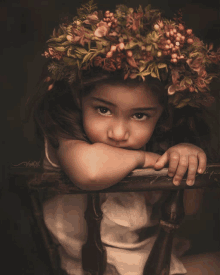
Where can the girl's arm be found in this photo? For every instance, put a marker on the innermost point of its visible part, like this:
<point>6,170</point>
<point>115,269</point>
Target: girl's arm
<point>98,166</point>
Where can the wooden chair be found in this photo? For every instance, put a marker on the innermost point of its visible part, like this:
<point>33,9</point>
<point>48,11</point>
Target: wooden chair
<point>32,180</point>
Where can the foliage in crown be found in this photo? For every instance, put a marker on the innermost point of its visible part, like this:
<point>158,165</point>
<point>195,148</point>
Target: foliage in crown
<point>140,43</point>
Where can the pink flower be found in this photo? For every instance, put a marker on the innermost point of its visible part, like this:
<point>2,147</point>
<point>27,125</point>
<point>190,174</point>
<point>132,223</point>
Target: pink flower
<point>91,19</point>
<point>175,88</point>
<point>102,29</point>
<point>55,54</point>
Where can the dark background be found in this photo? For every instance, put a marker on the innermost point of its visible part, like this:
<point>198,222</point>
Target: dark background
<point>25,26</point>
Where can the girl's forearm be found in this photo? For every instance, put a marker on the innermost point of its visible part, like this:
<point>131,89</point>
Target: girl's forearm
<point>98,166</point>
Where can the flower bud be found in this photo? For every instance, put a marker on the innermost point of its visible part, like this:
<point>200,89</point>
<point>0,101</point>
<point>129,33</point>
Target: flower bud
<point>129,53</point>
<point>179,34</point>
<point>168,41</point>
<point>177,38</point>
<point>109,24</point>
<point>121,46</point>
<point>171,45</point>
<point>167,34</point>
<point>174,31</point>
<point>171,32</point>
<point>177,43</point>
<point>174,60</point>
<point>159,53</point>
<point>182,38</point>
<point>182,57</point>
<point>109,54</point>
<point>167,47</point>
<point>107,13</point>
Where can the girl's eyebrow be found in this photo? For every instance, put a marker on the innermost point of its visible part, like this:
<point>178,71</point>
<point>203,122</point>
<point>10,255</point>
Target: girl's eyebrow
<point>134,109</point>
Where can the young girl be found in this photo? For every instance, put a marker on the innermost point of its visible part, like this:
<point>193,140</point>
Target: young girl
<point>101,113</point>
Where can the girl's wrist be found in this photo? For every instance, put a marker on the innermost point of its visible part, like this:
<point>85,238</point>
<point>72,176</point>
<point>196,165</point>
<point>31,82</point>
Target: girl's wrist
<point>141,159</point>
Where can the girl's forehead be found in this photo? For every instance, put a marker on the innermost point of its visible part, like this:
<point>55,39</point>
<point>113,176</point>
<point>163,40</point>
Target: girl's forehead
<point>131,94</point>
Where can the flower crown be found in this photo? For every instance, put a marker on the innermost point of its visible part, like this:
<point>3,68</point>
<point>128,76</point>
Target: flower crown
<point>140,43</point>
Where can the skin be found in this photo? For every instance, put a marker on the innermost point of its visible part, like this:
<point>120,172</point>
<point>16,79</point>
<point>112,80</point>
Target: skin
<point>116,123</point>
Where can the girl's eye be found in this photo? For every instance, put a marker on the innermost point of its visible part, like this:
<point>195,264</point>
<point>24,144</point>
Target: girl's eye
<point>141,116</point>
<point>103,110</point>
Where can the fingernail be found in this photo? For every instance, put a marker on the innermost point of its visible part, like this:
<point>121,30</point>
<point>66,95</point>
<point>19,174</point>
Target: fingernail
<point>190,182</point>
<point>176,182</point>
<point>200,171</point>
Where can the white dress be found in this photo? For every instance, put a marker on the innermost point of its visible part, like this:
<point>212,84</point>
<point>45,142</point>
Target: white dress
<point>124,214</point>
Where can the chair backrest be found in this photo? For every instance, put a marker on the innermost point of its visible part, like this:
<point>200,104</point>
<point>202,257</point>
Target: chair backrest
<point>94,258</point>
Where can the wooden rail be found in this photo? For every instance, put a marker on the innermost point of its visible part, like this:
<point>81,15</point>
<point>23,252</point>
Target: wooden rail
<point>94,257</point>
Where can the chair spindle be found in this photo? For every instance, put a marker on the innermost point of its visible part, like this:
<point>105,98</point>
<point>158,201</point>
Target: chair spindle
<point>172,214</point>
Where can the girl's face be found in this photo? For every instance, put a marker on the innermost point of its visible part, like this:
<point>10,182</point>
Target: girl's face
<point>120,116</point>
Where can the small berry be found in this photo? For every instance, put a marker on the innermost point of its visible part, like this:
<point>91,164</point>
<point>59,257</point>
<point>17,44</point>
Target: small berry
<point>190,41</point>
<point>181,27</point>
<point>109,24</point>
<point>171,33</point>
<point>182,38</point>
<point>177,43</point>
<point>174,60</point>
<point>109,54</point>
<point>159,54</point>
<point>167,34</point>
<point>168,41</point>
<point>179,34</point>
<point>182,57</point>
<point>167,47</point>
<point>113,48</point>
<point>191,89</point>
<point>171,45</point>
<point>156,27</point>
<point>189,31</point>
<point>174,55</point>
<point>174,31</point>
<point>177,38</point>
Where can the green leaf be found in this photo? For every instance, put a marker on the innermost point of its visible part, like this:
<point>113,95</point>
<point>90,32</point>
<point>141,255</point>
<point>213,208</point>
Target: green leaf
<point>81,50</point>
<point>188,81</point>
<point>60,49</point>
<point>69,61</point>
<point>61,38</point>
<point>153,74</point>
<point>162,65</point>
<point>87,57</point>
<point>148,48</point>
<point>144,73</point>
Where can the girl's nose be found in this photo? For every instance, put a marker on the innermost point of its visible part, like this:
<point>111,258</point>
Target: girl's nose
<point>118,132</point>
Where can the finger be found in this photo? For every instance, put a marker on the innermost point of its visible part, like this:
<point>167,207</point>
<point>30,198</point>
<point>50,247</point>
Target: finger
<point>181,170</point>
<point>173,163</point>
<point>193,164</point>
<point>202,162</point>
<point>161,162</point>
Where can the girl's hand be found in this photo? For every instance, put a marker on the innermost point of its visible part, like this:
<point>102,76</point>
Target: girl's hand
<point>150,159</point>
<point>182,157</point>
